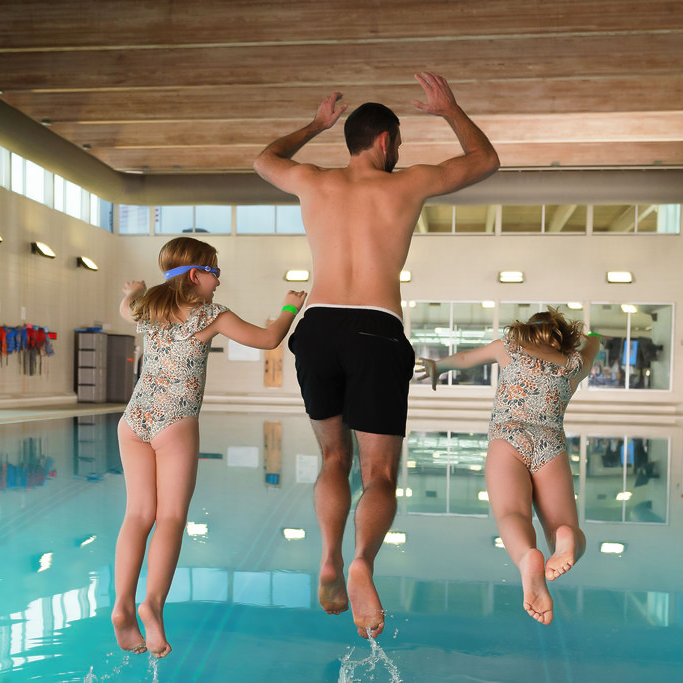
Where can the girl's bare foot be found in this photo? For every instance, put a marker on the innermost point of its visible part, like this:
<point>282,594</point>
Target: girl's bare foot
<point>127,631</point>
<point>332,589</point>
<point>368,614</point>
<point>562,560</point>
<point>153,620</point>
<point>537,600</point>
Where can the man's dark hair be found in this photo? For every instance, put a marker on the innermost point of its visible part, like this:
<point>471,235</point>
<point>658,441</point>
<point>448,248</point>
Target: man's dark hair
<point>366,123</point>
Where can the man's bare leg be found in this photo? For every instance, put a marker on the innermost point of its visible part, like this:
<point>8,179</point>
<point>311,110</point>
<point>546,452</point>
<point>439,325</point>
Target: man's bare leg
<point>379,458</point>
<point>332,504</point>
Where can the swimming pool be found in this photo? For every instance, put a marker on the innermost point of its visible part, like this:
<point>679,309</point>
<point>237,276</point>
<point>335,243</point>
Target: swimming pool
<point>243,603</point>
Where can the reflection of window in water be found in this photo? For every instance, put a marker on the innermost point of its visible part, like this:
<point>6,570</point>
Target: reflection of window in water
<point>28,467</point>
<point>627,479</point>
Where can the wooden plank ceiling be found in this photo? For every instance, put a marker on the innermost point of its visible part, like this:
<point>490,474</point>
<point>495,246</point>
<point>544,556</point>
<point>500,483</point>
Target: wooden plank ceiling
<point>203,85</point>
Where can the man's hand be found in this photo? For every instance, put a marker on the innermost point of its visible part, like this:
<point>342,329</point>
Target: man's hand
<point>326,116</point>
<point>440,99</point>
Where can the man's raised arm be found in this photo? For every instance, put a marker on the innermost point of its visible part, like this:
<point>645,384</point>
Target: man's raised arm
<point>480,159</point>
<point>275,164</point>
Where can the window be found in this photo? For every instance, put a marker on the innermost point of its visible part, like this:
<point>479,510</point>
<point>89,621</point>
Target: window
<point>35,182</point>
<point>255,220</point>
<point>565,218</point>
<point>5,180</point>
<point>17,168</point>
<point>133,220</point>
<point>59,193</point>
<point>288,220</point>
<point>635,351</point>
<point>173,219</point>
<point>73,200</point>
<point>216,219</point>
<point>477,219</point>
<point>522,219</point>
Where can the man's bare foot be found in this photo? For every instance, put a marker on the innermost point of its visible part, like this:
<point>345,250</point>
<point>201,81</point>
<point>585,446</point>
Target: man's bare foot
<point>332,589</point>
<point>537,600</point>
<point>155,636</point>
<point>127,631</point>
<point>368,614</point>
<point>562,560</point>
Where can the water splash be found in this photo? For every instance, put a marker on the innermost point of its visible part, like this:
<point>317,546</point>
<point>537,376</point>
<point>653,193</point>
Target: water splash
<point>347,671</point>
<point>91,677</point>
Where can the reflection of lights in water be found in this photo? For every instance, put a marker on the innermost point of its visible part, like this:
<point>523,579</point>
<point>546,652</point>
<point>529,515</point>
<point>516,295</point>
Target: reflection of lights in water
<point>407,493</point>
<point>395,538</point>
<point>498,542</point>
<point>475,468</point>
<point>411,463</point>
<point>88,540</point>
<point>197,529</point>
<point>612,548</point>
<point>624,495</point>
<point>483,495</point>
<point>575,458</point>
<point>45,562</point>
<point>575,305</point>
<point>629,308</point>
<point>488,304</point>
<point>294,534</point>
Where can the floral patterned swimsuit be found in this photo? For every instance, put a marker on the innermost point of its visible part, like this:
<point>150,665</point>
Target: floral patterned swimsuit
<point>171,385</point>
<point>528,411</point>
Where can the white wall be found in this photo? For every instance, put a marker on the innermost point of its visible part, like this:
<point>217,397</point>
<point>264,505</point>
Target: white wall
<point>55,292</point>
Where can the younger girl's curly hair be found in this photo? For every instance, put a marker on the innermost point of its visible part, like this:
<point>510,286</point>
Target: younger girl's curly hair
<point>163,302</point>
<point>548,327</point>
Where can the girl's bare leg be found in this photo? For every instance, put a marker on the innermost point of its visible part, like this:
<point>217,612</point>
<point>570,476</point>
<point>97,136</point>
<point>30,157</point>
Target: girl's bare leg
<point>556,508</point>
<point>177,451</point>
<point>510,490</point>
<point>139,469</point>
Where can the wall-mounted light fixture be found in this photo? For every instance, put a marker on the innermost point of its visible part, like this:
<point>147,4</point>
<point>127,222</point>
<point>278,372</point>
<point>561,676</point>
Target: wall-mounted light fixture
<point>629,308</point>
<point>619,277</point>
<point>405,276</point>
<point>511,276</point>
<point>86,262</point>
<point>42,249</point>
<point>0,238</point>
<point>297,276</point>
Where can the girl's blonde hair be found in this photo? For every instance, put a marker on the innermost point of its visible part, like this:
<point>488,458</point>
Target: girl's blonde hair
<point>163,302</point>
<point>548,327</point>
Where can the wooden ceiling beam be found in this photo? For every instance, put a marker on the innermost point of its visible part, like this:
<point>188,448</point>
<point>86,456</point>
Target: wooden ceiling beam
<point>46,24</point>
<point>625,94</point>
<point>505,58</point>
<point>231,158</point>
<point>551,128</point>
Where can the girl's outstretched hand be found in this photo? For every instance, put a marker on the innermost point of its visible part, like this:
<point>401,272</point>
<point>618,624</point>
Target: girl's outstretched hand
<point>295,299</point>
<point>134,287</point>
<point>427,367</point>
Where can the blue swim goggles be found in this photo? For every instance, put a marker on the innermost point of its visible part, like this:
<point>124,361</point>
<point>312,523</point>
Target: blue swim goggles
<point>216,272</point>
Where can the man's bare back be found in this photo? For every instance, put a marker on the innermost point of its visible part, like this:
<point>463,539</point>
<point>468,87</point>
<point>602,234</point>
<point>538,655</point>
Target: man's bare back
<point>360,219</point>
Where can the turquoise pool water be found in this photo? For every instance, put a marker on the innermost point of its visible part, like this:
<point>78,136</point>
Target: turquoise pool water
<point>243,603</point>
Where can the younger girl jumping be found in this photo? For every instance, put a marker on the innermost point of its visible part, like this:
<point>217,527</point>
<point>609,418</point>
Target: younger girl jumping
<point>159,432</point>
<point>527,461</point>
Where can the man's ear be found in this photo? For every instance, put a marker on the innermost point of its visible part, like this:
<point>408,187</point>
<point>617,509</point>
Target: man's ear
<point>383,139</point>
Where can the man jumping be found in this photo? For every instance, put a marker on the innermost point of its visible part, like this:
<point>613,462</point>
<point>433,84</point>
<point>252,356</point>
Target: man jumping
<point>353,360</point>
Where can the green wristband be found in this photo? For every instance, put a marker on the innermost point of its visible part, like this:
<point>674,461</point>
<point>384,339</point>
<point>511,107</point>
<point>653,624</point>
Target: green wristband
<point>594,334</point>
<point>292,309</point>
